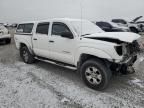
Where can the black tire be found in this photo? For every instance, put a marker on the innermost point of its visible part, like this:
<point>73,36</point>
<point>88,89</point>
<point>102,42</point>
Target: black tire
<point>26,56</point>
<point>134,30</point>
<point>102,70</point>
<point>8,41</point>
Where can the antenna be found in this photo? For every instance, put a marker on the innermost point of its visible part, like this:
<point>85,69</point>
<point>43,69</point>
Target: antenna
<point>81,5</point>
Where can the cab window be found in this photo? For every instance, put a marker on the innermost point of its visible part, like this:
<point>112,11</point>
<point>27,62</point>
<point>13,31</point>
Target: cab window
<point>59,28</point>
<point>42,28</point>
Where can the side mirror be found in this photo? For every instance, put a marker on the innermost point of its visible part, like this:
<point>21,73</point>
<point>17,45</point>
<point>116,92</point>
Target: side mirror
<point>67,35</point>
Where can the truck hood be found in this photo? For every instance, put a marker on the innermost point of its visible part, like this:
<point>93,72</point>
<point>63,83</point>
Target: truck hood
<point>115,36</point>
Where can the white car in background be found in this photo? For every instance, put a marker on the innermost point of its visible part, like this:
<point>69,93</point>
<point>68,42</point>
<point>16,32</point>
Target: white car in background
<point>134,26</point>
<point>4,35</point>
<point>124,28</point>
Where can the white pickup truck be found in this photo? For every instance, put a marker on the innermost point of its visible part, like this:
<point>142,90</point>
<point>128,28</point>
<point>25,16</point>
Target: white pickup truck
<point>79,44</point>
<point>4,35</point>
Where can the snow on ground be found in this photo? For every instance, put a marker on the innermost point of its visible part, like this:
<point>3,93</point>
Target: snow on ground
<point>44,85</point>
<point>18,90</point>
<point>29,86</point>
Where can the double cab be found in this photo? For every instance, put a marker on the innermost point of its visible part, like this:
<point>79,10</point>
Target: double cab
<point>79,44</point>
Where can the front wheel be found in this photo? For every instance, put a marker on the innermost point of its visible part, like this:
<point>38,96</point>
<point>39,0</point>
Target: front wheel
<point>95,74</point>
<point>26,55</point>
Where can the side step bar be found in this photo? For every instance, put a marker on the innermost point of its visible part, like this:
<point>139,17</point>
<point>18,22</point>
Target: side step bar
<point>56,63</point>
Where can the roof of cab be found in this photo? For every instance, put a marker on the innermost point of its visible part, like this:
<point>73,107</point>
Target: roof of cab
<point>54,19</point>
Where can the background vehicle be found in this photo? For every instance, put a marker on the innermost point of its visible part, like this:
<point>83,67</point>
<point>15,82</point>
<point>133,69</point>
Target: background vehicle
<point>4,35</point>
<point>14,25</point>
<point>111,27</point>
<point>81,45</point>
<point>139,22</point>
<point>134,26</point>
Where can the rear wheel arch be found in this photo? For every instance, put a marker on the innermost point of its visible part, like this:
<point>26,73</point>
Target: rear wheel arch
<point>22,45</point>
<point>25,45</point>
<point>26,54</point>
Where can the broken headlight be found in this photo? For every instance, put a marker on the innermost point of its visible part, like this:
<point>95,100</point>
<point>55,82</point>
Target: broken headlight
<point>119,50</point>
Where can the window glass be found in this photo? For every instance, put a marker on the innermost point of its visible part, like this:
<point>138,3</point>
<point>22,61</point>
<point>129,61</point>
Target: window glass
<point>25,28</point>
<point>20,28</point>
<point>107,25</point>
<point>42,28</point>
<point>103,24</point>
<point>119,21</point>
<point>59,28</point>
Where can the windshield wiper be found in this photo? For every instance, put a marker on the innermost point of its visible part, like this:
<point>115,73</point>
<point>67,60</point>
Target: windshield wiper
<point>85,34</point>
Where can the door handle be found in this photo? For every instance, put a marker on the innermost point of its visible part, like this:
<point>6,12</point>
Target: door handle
<point>34,39</point>
<point>51,41</point>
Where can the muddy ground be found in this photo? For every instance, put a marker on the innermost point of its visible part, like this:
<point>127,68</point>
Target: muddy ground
<point>44,85</point>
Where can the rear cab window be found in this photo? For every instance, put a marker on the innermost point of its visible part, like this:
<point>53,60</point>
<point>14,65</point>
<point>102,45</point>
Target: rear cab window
<point>25,28</point>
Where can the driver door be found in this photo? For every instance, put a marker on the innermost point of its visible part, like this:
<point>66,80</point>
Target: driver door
<point>62,48</point>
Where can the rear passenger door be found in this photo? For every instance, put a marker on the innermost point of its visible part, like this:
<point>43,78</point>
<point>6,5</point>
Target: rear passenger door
<point>40,40</point>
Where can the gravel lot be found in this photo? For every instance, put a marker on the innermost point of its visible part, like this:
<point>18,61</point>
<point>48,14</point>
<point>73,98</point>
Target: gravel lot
<point>44,85</point>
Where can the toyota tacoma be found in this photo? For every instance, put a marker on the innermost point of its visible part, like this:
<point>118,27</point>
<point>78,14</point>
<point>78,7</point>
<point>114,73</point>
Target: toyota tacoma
<point>79,44</point>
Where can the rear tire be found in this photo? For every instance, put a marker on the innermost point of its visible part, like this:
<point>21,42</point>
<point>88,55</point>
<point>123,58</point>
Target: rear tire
<point>26,55</point>
<point>8,41</point>
<point>95,74</point>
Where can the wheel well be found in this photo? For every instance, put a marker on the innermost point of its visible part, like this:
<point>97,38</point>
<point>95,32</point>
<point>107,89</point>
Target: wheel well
<point>85,57</point>
<point>22,45</point>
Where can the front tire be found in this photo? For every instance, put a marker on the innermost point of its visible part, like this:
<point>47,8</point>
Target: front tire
<point>26,55</point>
<point>95,74</point>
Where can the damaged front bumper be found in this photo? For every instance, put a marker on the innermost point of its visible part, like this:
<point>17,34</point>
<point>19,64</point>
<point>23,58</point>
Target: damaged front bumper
<point>125,66</point>
<point>130,52</point>
<point>130,61</point>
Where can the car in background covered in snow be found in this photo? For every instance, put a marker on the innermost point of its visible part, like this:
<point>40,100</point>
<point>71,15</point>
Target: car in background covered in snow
<point>79,44</point>
<point>4,35</point>
<point>140,22</point>
<point>111,27</point>
<point>135,25</point>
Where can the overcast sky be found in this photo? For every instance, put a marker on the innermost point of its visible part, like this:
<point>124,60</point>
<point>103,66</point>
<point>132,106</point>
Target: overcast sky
<point>25,10</point>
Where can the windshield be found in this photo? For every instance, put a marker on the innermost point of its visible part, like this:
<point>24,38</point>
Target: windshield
<point>85,27</point>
